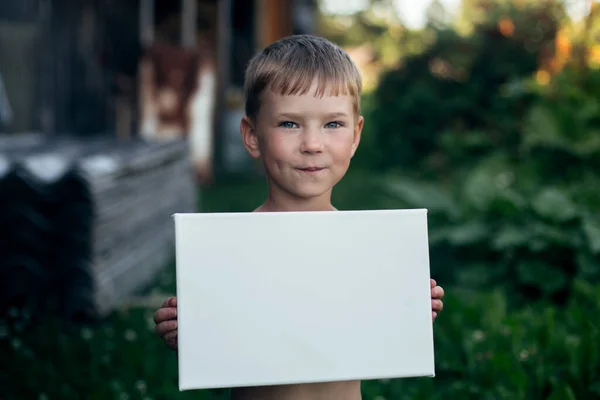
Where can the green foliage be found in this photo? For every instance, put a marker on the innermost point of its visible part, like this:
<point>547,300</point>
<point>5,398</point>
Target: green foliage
<point>484,350</point>
<point>119,357</point>
<point>508,168</point>
<point>533,244</point>
<point>466,85</point>
<point>363,26</point>
<point>529,212</point>
<point>476,13</point>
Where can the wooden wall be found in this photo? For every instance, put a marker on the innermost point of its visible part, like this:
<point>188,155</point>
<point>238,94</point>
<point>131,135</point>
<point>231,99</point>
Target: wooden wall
<point>275,20</point>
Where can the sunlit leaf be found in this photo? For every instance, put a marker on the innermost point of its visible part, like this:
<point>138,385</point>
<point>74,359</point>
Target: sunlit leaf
<point>591,228</point>
<point>554,204</point>
<point>510,237</point>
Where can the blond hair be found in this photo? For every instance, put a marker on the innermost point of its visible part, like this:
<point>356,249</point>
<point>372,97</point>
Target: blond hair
<point>290,66</point>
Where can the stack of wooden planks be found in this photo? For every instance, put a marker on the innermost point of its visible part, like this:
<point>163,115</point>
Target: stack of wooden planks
<point>87,222</point>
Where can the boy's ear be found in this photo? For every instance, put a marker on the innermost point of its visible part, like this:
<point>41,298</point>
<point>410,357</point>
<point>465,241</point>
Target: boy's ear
<point>249,137</point>
<point>357,132</point>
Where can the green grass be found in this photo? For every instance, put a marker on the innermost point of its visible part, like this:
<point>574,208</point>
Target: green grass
<point>484,349</point>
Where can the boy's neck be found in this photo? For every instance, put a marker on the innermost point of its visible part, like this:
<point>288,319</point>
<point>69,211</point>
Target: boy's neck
<point>283,203</point>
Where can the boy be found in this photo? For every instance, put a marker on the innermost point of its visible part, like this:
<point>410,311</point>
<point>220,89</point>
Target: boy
<point>303,121</point>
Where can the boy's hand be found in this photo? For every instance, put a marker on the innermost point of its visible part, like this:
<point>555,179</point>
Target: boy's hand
<point>437,294</point>
<point>165,319</point>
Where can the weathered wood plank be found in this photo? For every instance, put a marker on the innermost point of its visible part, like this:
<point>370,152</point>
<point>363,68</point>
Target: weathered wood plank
<point>107,206</point>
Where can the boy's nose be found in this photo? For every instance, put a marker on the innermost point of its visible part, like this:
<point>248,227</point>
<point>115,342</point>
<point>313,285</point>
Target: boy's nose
<point>311,143</point>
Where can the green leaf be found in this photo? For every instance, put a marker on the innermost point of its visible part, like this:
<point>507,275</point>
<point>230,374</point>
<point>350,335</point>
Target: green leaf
<point>547,234</point>
<point>475,275</point>
<point>588,267</point>
<point>421,194</point>
<point>554,204</point>
<point>586,293</point>
<point>458,144</point>
<point>510,237</point>
<point>468,233</point>
<point>595,388</point>
<point>480,188</point>
<point>591,228</point>
<point>547,277</point>
<point>587,146</point>
<point>541,129</point>
<point>563,392</point>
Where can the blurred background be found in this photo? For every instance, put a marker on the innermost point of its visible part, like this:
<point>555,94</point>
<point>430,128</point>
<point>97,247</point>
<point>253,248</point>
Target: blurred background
<point>116,114</point>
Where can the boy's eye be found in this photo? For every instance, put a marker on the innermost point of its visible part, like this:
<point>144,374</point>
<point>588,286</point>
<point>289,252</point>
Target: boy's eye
<point>333,125</point>
<point>288,125</point>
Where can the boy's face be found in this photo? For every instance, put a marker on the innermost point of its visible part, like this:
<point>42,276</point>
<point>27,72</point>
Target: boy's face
<point>305,142</point>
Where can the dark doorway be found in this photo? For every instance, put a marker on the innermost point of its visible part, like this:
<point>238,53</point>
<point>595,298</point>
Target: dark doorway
<point>243,40</point>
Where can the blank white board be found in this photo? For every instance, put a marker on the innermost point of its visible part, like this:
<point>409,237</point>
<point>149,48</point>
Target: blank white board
<point>299,297</point>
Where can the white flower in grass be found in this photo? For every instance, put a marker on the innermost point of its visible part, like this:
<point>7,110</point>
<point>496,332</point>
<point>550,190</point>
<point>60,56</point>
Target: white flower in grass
<point>141,386</point>
<point>478,335</point>
<point>524,355</point>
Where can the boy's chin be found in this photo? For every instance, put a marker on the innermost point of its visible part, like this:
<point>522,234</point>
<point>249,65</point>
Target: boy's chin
<point>309,192</point>
<point>306,191</point>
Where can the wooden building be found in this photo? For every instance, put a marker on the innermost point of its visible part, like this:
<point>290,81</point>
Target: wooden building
<point>78,67</point>
<point>161,69</point>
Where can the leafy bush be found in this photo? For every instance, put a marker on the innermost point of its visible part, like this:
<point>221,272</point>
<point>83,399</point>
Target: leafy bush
<point>459,84</point>
<point>484,351</point>
<point>524,216</point>
<point>507,166</point>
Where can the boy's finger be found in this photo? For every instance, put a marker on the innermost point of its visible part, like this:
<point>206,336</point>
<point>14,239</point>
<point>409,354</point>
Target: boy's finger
<point>437,292</point>
<point>165,314</point>
<point>433,315</point>
<point>433,283</point>
<point>437,305</point>
<point>166,327</point>
<point>170,302</point>
<point>171,340</point>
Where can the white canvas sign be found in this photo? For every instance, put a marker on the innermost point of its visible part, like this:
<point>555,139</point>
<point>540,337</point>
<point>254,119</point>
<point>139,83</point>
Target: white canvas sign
<point>297,297</point>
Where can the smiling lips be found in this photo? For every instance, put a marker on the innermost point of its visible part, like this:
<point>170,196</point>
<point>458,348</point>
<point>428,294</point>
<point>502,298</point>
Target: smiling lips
<point>311,169</point>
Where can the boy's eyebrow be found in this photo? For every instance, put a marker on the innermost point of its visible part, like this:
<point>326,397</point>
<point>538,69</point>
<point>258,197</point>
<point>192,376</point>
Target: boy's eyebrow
<point>298,116</point>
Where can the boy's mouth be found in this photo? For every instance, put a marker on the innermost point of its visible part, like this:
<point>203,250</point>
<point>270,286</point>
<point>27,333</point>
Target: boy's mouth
<point>311,169</point>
